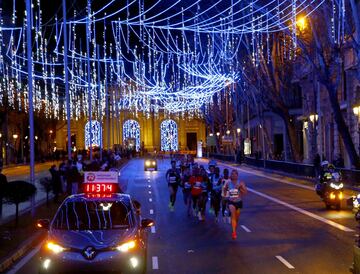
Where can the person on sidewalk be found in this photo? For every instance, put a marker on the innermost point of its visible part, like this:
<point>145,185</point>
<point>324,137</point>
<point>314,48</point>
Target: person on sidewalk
<point>236,190</point>
<point>3,182</point>
<point>56,182</point>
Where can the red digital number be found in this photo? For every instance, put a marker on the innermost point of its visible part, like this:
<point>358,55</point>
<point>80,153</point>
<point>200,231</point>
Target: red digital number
<point>99,188</point>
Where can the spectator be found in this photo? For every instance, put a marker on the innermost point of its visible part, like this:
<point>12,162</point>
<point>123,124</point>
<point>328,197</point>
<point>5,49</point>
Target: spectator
<point>56,182</point>
<point>3,182</point>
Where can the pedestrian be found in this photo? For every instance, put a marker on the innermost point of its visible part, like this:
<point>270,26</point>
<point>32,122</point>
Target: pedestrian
<point>56,182</point>
<point>3,182</point>
<point>173,180</point>
<point>236,191</point>
<point>73,179</point>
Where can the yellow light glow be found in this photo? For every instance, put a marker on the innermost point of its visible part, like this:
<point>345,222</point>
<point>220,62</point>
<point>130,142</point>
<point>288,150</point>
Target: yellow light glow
<point>341,196</point>
<point>332,196</point>
<point>126,246</point>
<point>55,247</point>
<point>301,23</point>
<point>356,110</point>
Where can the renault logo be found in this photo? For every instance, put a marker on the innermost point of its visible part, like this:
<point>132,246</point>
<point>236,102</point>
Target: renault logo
<point>89,253</point>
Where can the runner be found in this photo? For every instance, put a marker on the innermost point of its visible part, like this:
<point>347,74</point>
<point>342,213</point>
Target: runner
<point>195,182</point>
<point>236,191</point>
<point>205,189</point>
<point>225,196</point>
<point>173,179</point>
<point>216,192</point>
<point>186,188</point>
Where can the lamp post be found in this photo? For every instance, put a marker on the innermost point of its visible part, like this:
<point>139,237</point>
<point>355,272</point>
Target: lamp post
<point>15,136</point>
<point>356,110</point>
<point>313,119</point>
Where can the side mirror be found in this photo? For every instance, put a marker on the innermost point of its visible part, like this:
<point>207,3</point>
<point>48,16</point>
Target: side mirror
<point>43,223</point>
<point>137,206</point>
<point>145,223</point>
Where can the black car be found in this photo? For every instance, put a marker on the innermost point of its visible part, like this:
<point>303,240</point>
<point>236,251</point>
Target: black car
<point>93,233</point>
<point>150,164</point>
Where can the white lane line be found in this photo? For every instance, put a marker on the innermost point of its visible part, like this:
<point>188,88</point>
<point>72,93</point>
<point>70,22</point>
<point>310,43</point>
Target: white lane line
<point>245,228</point>
<point>25,260</point>
<point>149,186</point>
<point>153,230</point>
<point>155,262</point>
<point>151,211</point>
<point>149,192</point>
<point>302,211</point>
<point>150,200</point>
<point>285,262</point>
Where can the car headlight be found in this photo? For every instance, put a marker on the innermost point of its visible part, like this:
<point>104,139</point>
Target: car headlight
<point>154,163</point>
<point>55,247</point>
<point>147,163</point>
<point>125,247</point>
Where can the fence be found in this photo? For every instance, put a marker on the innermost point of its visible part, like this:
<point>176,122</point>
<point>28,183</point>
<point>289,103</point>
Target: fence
<point>350,176</point>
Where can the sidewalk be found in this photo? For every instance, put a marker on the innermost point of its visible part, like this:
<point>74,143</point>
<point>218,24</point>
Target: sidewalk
<point>301,181</point>
<point>22,172</point>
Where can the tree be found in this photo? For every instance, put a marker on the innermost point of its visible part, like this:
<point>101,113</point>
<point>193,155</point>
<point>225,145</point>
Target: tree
<point>17,192</point>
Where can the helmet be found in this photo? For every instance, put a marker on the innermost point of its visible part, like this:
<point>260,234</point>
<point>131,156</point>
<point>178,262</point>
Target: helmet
<point>324,163</point>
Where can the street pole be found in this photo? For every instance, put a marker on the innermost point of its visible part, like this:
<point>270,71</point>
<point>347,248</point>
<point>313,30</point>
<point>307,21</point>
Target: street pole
<point>88,79</point>
<point>99,102</point>
<point>67,93</point>
<point>31,106</point>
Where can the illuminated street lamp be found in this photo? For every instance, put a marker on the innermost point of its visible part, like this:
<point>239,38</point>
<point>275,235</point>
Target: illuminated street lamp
<point>301,23</point>
<point>238,130</point>
<point>15,136</point>
<point>313,117</point>
<point>228,132</point>
<point>217,134</point>
<point>356,110</point>
<point>211,134</point>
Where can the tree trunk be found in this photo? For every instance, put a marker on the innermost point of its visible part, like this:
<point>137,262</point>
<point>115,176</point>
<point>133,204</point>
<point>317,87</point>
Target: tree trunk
<point>342,127</point>
<point>16,215</point>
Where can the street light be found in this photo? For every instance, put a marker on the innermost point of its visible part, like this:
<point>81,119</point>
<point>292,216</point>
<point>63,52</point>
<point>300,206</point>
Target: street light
<point>238,130</point>
<point>51,132</point>
<point>228,132</point>
<point>301,23</point>
<point>15,136</point>
<point>356,110</point>
<point>313,117</point>
<point>217,134</point>
<point>211,134</point>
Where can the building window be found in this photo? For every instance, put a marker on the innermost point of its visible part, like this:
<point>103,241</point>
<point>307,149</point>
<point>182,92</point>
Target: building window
<point>131,134</point>
<point>96,134</point>
<point>169,135</point>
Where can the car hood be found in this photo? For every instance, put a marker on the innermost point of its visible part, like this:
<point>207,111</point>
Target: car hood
<point>96,238</point>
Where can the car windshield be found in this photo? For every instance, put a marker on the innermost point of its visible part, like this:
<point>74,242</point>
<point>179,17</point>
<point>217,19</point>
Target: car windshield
<point>93,215</point>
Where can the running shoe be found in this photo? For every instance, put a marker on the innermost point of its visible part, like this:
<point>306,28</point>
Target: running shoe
<point>233,235</point>
<point>172,209</point>
<point>169,205</point>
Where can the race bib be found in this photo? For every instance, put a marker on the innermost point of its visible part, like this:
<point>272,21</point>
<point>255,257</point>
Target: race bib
<point>233,193</point>
<point>172,180</point>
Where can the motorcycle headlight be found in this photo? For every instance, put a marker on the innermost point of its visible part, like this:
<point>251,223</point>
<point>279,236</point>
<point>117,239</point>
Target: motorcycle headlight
<point>55,247</point>
<point>125,247</point>
<point>336,186</point>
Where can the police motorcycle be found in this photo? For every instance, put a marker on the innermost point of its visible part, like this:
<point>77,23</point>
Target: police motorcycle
<point>355,267</point>
<point>330,187</point>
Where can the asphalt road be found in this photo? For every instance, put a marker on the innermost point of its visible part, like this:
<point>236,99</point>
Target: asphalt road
<point>284,229</point>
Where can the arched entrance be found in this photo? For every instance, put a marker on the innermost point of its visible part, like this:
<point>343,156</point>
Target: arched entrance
<point>131,134</point>
<point>169,135</point>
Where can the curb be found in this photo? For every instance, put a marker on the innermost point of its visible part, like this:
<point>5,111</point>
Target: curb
<point>25,248</point>
<point>30,243</point>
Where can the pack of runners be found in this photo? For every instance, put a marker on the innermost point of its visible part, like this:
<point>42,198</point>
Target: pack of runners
<point>223,192</point>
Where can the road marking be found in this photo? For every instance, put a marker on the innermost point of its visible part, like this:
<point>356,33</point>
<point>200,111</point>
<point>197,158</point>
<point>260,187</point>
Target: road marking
<point>302,211</point>
<point>285,262</point>
<point>149,186</point>
<point>153,230</point>
<point>155,262</point>
<point>151,211</point>
<point>25,260</point>
<point>149,192</point>
<point>150,200</point>
<point>245,228</point>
